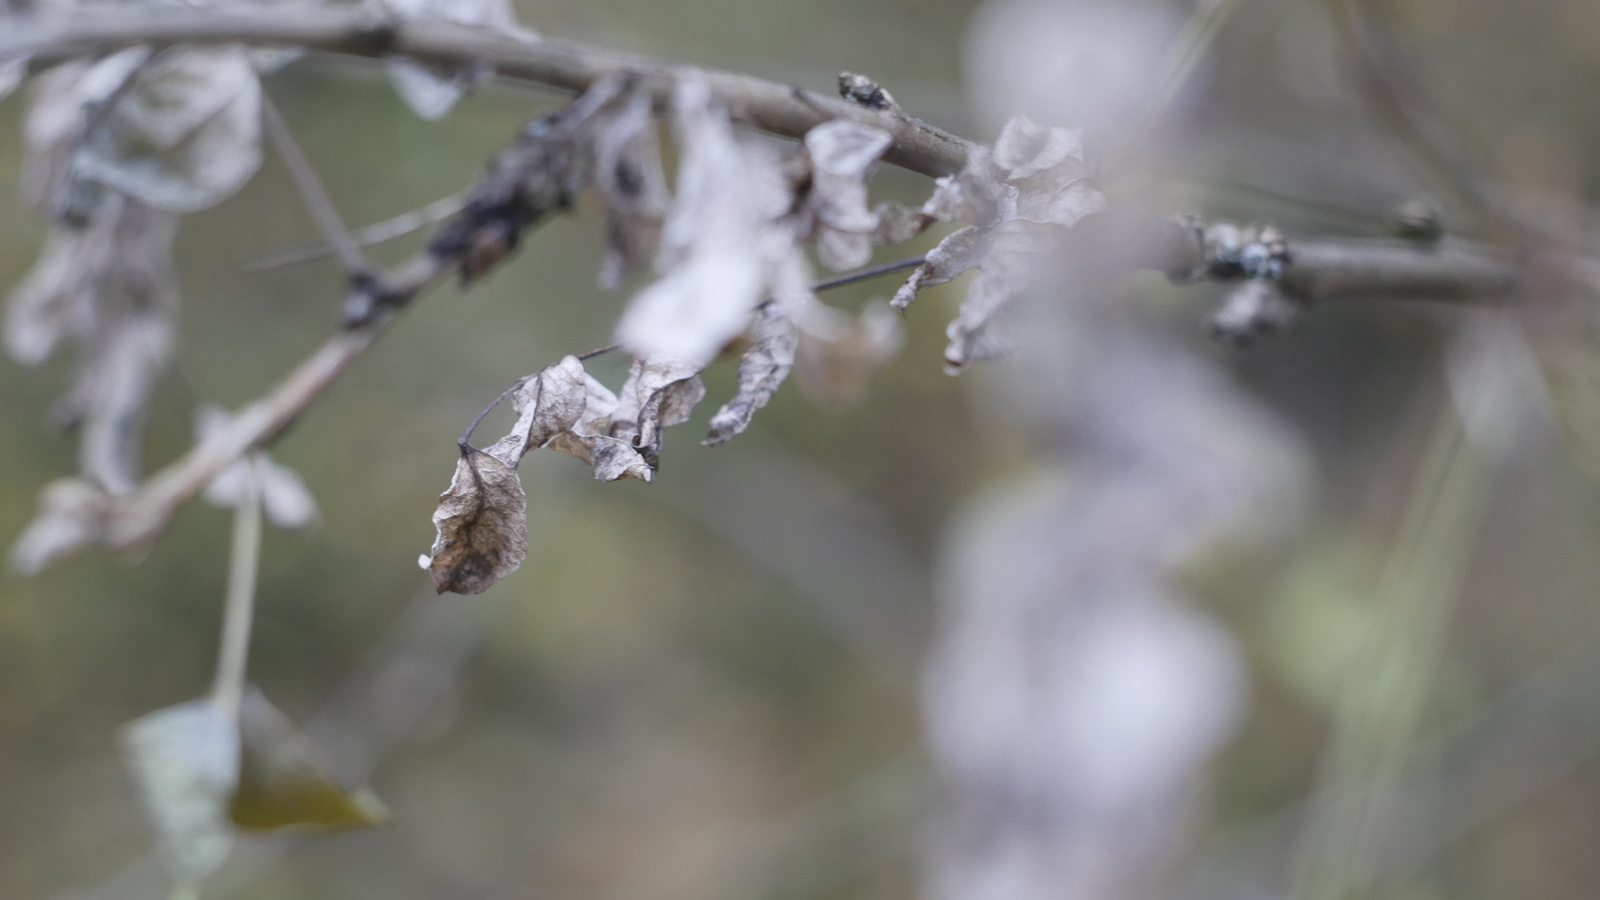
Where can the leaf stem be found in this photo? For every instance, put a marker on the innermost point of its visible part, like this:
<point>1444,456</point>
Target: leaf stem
<point>239,609</point>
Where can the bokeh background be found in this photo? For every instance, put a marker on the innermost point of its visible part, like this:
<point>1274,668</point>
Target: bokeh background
<point>708,687</point>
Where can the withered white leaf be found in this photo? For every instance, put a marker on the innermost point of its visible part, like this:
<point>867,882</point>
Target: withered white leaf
<point>431,91</point>
<point>283,780</point>
<point>285,499</point>
<point>482,519</point>
<point>975,195</point>
<point>898,223</point>
<point>843,154</point>
<point>482,524</point>
<point>627,160</point>
<point>185,759</point>
<point>110,286</point>
<point>959,251</point>
<point>773,340</point>
<point>590,440</point>
<point>184,135</point>
<point>719,241</point>
<point>838,353</point>
<point>72,515</point>
<point>1035,180</point>
<point>983,328</point>
<point>547,403</point>
<point>658,394</point>
<point>63,100</point>
<point>1047,167</point>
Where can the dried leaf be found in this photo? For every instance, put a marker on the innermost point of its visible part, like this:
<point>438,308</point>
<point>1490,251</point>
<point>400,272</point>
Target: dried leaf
<point>283,781</point>
<point>773,340</point>
<point>482,525</point>
<point>1035,180</point>
<point>843,154</point>
<point>627,160</point>
<point>837,356</point>
<point>72,515</point>
<point>185,759</point>
<point>720,241</point>
<point>64,100</point>
<point>184,135</point>
<point>983,328</point>
<point>657,395</point>
<point>548,403</point>
<point>111,287</point>
<point>898,223</point>
<point>285,499</point>
<point>975,195</point>
<point>959,251</point>
<point>431,91</point>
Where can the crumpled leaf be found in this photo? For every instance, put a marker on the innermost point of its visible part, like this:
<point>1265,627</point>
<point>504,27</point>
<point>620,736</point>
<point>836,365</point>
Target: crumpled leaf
<point>984,329</point>
<point>722,240</point>
<point>431,91</point>
<point>63,100</point>
<point>773,340</point>
<point>482,524</point>
<point>837,355</point>
<point>627,161</point>
<point>1033,182</point>
<point>540,173</point>
<point>110,286</point>
<point>482,519</point>
<point>548,402</point>
<point>959,251</point>
<point>72,515</point>
<point>898,223</point>
<point>590,440</point>
<point>843,154</point>
<point>184,135</point>
<point>283,781</point>
<point>285,499</point>
<point>658,394</point>
<point>185,759</point>
<point>620,435</point>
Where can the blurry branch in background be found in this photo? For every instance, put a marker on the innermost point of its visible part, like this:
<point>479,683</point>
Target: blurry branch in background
<point>376,233</point>
<point>313,194</point>
<point>1379,709</point>
<point>777,108</point>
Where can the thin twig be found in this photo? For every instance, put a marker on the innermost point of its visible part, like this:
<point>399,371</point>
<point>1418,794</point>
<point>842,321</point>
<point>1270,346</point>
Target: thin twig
<point>465,441</point>
<point>376,233</point>
<point>239,611</point>
<point>312,193</point>
<point>569,66</point>
<point>827,284</point>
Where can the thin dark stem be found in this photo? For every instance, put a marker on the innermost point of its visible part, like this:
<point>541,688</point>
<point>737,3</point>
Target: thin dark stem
<point>313,194</point>
<point>465,441</point>
<point>910,262</point>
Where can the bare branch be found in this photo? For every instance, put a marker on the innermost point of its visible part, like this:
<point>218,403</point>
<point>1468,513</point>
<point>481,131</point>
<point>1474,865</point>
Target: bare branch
<point>312,193</point>
<point>376,233</point>
<point>777,108</point>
